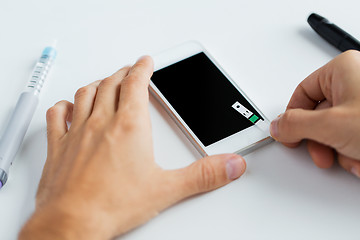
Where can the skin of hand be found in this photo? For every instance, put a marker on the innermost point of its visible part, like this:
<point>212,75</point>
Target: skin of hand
<point>100,179</point>
<point>325,110</point>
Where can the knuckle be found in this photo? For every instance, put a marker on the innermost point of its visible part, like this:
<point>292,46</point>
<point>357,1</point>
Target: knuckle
<point>84,91</point>
<point>51,113</point>
<point>107,81</point>
<point>132,79</point>
<point>125,69</point>
<point>288,123</point>
<point>129,118</point>
<point>140,65</point>
<point>288,118</point>
<point>134,84</point>
<point>96,120</point>
<point>128,123</point>
<point>207,178</point>
<point>92,127</point>
<point>54,110</point>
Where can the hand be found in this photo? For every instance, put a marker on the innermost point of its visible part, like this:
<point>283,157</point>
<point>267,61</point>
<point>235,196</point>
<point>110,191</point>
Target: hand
<point>325,109</point>
<point>100,179</point>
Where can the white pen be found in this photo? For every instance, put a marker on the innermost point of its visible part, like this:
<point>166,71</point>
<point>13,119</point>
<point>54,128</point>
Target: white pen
<point>14,133</point>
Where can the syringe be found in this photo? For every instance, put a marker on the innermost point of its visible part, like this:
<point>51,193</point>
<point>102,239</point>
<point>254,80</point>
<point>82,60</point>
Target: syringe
<point>41,70</point>
<point>21,117</point>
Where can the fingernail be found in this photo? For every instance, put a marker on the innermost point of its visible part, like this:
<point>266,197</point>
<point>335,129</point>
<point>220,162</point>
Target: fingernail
<point>274,130</point>
<point>354,171</point>
<point>235,167</point>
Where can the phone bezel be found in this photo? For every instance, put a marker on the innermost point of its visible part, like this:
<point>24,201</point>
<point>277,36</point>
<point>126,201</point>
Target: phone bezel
<point>241,142</point>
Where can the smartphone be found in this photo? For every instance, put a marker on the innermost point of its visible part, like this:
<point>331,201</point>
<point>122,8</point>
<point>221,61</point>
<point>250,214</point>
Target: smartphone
<point>211,110</point>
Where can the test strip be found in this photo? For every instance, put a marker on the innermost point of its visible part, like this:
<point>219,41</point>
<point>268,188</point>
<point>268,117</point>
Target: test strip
<point>246,112</point>
<point>249,115</point>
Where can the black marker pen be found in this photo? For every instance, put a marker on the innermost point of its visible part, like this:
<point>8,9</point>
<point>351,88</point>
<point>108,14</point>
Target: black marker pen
<point>332,33</point>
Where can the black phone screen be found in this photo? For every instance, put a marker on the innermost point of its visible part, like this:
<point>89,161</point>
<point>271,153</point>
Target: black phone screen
<point>203,97</point>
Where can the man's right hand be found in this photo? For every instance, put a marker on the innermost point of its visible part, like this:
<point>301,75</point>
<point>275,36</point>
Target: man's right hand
<point>325,110</point>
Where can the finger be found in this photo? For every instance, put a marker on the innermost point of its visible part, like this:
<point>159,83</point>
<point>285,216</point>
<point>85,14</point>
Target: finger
<point>323,156</point>
<point>208,174</point>
<point>134,94</point>
<point>322,105</point>
<point>84,102</point>
<point>349,164</point>
<point>308,93</point>
<point>298,124</point>
<point>320,84</point>
<point>314,89</point>
<point>56,118</point>
<point>107,97</point>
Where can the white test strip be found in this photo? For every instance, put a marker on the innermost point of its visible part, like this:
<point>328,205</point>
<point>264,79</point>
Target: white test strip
<point>257,121</point>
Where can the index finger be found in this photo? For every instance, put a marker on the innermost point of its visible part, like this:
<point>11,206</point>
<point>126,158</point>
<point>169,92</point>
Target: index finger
<point>310,91</point>
<point>134,93</point>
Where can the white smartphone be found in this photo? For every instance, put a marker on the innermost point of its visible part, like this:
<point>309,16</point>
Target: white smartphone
<point>212,111</point>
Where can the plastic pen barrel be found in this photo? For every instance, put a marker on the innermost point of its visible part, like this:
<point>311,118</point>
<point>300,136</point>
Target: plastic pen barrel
<point>332,33</point>
<point>15,131</point>
<point>21,117</point>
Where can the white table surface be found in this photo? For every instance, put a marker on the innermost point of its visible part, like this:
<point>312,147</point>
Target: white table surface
<point>266,46</point>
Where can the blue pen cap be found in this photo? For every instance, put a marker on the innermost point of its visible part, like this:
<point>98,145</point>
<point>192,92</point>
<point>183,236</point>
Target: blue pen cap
<point>50,52</point>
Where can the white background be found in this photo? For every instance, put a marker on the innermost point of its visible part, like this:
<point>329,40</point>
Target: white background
<point>266,46</point>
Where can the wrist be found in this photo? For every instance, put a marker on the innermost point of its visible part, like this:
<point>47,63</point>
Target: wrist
<point>54,222</point>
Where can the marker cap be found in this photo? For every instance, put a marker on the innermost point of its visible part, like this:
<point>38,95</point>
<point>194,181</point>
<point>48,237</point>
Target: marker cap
<point>314,20</point>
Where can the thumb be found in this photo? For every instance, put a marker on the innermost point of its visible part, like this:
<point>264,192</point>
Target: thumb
<point>298,124</point>
<point>210,173</point>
